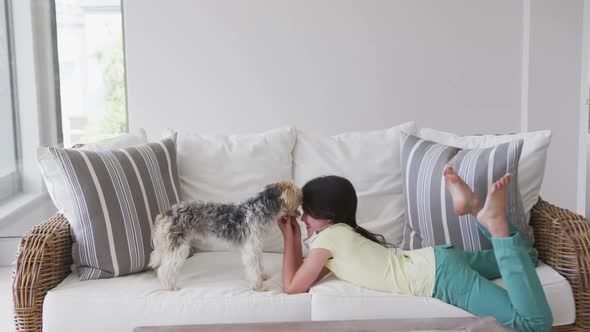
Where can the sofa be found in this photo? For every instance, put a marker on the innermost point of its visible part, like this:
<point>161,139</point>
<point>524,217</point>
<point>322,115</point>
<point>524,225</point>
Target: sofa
<point>48,294</point>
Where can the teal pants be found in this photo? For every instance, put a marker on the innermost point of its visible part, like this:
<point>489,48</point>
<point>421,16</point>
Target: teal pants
<point>462,279</point>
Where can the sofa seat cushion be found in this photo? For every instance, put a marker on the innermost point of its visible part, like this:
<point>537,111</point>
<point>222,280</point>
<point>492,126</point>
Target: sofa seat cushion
<point>334,299</point>
<point>212,290</point>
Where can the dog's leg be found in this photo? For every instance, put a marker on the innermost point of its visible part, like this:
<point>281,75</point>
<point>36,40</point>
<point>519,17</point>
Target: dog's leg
<point>155,259</point>
<point>159,241</point>
<point>252,259</point>
<point>170,264</point>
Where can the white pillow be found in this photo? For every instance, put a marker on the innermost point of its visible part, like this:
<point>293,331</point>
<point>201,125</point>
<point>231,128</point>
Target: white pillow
<point>54,181</point>
<point>230,169</point>
<point>531,167</point>
<point>371,161</point>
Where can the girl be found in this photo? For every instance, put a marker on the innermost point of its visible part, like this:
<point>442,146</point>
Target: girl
<point>338,245</point>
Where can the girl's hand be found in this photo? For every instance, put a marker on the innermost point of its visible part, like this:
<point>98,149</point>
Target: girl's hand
<point>285,226</point>
<point>295,226</point>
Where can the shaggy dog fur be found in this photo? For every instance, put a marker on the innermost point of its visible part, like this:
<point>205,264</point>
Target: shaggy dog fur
<point>240,224</point>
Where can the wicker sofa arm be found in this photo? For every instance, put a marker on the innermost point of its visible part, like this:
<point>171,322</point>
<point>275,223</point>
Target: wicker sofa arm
<point>43,261</point>
<point>562,238</point>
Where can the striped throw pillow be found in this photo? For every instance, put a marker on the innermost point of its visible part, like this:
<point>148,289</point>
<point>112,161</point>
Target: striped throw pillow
<point>430,218</point>
<point>116,196</point>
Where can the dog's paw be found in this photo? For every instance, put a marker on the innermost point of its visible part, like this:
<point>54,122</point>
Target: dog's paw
<point>170,288</point>
<point>259,287</point>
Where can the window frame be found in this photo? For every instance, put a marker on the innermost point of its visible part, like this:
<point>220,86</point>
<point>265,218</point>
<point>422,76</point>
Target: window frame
<point>38,116</point>
<point>10,183</point>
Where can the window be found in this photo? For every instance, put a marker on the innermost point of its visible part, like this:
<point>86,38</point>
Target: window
<point>9,166</point>
<point>91,69</point>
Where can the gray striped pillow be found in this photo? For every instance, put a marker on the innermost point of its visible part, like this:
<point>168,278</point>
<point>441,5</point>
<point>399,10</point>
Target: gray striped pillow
<point>116,196</point>
<point>430,218</point>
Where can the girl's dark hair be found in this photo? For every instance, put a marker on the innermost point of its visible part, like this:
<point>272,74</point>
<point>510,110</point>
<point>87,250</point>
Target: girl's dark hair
<point>333,197</point>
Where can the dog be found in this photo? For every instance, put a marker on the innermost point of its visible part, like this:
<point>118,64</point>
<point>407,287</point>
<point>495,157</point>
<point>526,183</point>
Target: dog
<point>243,224</point>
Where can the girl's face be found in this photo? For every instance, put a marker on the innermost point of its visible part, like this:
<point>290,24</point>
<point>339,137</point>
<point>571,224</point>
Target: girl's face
<point>312,224</point>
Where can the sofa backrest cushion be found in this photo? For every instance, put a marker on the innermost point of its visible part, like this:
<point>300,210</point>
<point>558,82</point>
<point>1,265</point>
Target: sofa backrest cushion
<point>431,219</point>
<point>371,161</point>
<point>231,169</point>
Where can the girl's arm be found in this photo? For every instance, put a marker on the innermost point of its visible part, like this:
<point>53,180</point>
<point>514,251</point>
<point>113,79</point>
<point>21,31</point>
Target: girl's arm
<point>310,271</point>
<point>299,275</point>
<point>299,250</point>
<point>324,272</point>
<point>293,256</point>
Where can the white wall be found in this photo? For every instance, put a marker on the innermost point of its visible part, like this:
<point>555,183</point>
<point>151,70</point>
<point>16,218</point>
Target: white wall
<point>330,65</point>
<point>555,74</point>
<point>469,66</point>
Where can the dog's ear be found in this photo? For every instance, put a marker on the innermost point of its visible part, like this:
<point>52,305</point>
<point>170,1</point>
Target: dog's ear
<point>291,195</point>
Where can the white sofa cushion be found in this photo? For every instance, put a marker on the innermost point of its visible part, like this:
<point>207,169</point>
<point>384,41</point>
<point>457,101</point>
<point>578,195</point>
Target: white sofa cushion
<point>533,158</point>
<point>232,168</point>
<point>334,299</point>
<point>371,161</point>
<point>212,290</point>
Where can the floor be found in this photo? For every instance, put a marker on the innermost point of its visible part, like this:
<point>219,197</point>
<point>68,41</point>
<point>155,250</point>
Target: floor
<point>6,322</point>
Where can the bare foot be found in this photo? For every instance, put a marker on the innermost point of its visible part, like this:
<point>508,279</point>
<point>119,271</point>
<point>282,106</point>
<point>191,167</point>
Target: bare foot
<point>493,214</point>
<point>464,199</point>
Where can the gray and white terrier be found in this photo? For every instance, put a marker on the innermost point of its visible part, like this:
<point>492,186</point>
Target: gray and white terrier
<point>243,225</point>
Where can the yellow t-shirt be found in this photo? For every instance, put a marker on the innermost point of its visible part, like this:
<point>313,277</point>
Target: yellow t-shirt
<point>365,263</point>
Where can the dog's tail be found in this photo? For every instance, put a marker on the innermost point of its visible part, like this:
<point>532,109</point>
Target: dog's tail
<point>159,240</point>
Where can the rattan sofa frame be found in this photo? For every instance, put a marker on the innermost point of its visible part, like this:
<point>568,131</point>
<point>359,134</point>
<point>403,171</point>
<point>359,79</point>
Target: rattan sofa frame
<point>44,260</point>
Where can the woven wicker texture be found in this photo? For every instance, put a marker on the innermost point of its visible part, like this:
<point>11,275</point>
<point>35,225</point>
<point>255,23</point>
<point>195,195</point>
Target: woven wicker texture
<point>44,259</point>
<point>563,241</point>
